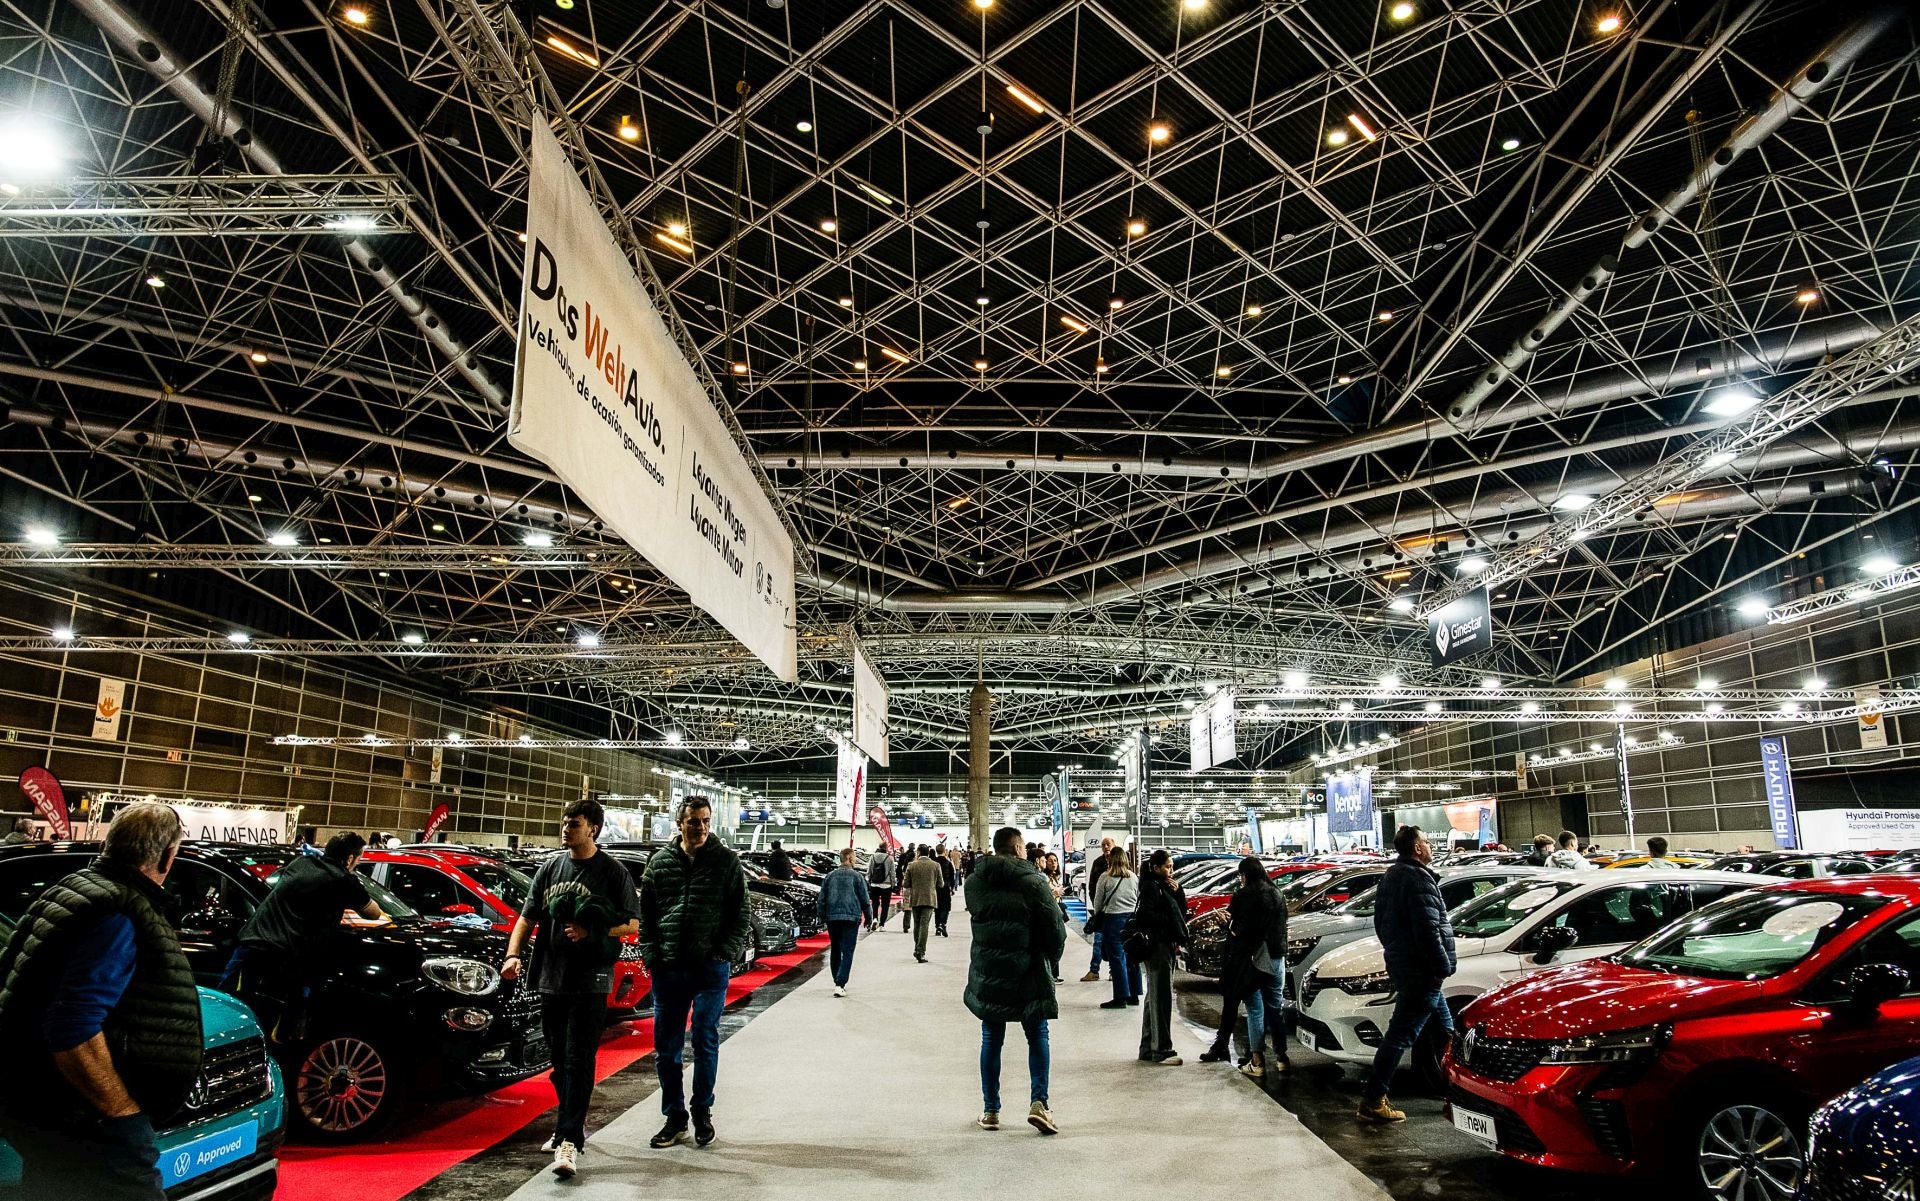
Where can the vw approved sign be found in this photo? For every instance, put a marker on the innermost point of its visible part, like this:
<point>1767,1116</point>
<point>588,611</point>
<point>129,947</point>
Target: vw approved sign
<point>1462,628</point>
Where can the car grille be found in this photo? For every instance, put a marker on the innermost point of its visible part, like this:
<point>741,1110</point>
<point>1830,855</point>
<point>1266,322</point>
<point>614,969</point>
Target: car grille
<point>1295,953</point>
<point>1498,1058</point>
<point>232,1075</point>
<point>1609,1122</point>
<point>1310,989</point>
<point>1514,1134</point>
<point>523,1006</point>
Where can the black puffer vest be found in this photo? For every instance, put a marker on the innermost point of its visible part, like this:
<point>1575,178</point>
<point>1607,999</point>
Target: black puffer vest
<point>153,1033</point>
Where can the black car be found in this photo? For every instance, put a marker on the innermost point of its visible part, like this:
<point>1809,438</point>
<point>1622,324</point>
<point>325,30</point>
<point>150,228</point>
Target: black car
<point>1864,1141</point>
<point>775,927</point>
<point>803,868</point>
<point>414,1008</point>
<point>1794,865</point>
<point>804,897</point>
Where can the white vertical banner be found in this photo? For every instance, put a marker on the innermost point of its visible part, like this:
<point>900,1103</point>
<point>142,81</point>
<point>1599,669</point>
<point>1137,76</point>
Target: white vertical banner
<point>604,396</point>
<point>107,709</point>
<point>439,764</point>
<point>850,784</point>
<point>1520,769</point>
<point>869,707</point>
<point>1873,723</point>
<point>1199,740</point>
<point>1223,722</point>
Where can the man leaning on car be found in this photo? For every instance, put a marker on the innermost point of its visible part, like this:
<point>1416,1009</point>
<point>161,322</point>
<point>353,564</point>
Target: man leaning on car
<point>101,1020</point>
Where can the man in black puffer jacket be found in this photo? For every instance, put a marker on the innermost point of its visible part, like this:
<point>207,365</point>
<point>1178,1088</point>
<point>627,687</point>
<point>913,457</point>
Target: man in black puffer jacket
<point>1410,919</point>
<point>100,1019</point>
<point>693,925</point>
<point>1018,934</point>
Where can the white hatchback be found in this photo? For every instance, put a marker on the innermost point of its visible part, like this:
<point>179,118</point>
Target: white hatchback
<point>1520,927</point>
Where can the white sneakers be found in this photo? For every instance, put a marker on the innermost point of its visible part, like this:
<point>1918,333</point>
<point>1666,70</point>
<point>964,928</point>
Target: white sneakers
<point>839,990</point>
<point>564,1156</point>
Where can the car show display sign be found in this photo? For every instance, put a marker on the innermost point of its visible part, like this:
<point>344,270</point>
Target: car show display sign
<point>1873,723</point>
<point>869,708</point>
<point>229,823</point>
<point>849,783</point>
<point>1212,731</point>
<point>49,800</point>
<point>107,708</point>
<point>1350,802</point>
<point>1776,779</point>
<point>1461,628</point>
<point>604,396</point>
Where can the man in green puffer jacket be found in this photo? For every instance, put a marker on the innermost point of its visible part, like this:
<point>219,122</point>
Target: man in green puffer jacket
<point>1018,933</point>
<point>693,925</point>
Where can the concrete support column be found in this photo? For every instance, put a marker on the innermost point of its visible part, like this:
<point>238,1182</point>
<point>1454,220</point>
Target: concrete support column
<point>980,726</point>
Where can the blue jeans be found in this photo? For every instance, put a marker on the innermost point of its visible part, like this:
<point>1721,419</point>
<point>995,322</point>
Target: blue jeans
<point>1099,945</point>
<point>842,937</point>
<point>680,990</point>
<point>993,1036</point>
<point>1125,972</point>
<point>1416,1004</point>
<point>1263,1007</point>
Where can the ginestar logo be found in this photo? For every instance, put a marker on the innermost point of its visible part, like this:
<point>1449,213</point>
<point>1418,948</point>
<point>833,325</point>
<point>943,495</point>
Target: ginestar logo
<point>1441,638</point>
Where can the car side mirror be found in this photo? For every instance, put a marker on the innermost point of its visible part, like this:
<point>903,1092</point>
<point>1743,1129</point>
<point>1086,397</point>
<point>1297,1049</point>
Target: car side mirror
<point>1553,940</point>
<point>1868,986</point>
<point>458,910</point>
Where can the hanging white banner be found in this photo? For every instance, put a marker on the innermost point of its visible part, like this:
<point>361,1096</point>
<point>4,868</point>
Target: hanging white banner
<point>869,708</point>
<point>1873,723</point>
<point>604,396</point>
<point>850,784</point>
<point>107,709</point>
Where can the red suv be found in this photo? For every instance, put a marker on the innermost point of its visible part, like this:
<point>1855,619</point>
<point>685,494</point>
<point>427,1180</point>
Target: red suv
<point>1702,1050</point>
<point>462,884</point>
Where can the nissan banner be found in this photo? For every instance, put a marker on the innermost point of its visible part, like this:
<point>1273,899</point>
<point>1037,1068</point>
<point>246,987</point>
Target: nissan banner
<point>1461,628</point>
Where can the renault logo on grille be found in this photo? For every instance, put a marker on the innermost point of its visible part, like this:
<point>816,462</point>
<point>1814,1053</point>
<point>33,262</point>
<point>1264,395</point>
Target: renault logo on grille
<point>1468,1044</point>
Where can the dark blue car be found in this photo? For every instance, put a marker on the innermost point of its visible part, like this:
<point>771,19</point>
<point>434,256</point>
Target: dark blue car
<point>1866,1141</point>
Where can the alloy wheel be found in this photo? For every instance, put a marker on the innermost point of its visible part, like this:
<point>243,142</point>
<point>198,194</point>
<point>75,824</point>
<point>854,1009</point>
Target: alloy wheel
<point>1750,1153</point>
<point>342,1084</point>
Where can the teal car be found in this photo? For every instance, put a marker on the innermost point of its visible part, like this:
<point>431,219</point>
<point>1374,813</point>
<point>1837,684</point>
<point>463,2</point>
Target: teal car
<point>223,1145</point>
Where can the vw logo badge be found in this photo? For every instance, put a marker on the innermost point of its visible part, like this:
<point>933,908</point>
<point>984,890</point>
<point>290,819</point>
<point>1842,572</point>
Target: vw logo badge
<point>197,1096</point>
<point>1466,1048</point>
<point>182,1162</point>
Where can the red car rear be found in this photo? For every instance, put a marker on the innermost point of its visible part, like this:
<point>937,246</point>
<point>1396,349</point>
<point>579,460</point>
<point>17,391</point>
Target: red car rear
<point>461,883</point>
<point>1221,892</point>
<point>1703,1050</point>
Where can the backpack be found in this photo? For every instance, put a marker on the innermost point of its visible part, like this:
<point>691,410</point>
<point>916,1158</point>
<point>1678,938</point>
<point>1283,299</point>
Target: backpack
<point>877,870</point>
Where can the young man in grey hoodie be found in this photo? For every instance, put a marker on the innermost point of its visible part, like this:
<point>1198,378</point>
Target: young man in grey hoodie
<point>1569,856</point>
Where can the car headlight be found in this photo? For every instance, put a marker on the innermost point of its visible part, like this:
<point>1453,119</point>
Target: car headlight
<point>468,977</point>
<point>1618,1046</point>
<point>1361,986</point>
<point>1299,948</point>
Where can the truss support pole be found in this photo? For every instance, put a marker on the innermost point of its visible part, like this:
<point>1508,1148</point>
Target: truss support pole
<point>980,728</point>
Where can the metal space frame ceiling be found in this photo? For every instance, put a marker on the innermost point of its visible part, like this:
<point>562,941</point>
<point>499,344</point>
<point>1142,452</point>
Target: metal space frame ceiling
<point>1102,467</point>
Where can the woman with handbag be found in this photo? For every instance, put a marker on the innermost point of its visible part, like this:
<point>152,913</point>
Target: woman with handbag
<point>1113,905</point>
<point>1255,960</point>
<point>1158,929</point>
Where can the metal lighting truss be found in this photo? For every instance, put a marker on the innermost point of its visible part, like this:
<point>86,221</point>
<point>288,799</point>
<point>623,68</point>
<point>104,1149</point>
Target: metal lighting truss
<point>528,742</point>
<point>200,206</point>
<point>1097,545</point>
<point>1851,594</point>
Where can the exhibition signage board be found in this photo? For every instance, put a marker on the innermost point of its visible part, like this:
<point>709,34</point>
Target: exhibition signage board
<point>1350,802</point>
<point>1776,777</point>
<point>1860,829</point>
<point>107,709</point>
<point>49,800</point>
<point>1212,731</point>
<point>1873,723</point>
<point>869,708</point>
<point>1520,769</point>
<point>228,823</point>
<point>604,396</point>
<point>850,781</point>
<point>1620,776</point>
<point>1463,627</point>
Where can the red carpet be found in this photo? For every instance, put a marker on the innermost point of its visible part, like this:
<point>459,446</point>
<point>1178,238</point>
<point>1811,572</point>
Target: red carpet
<point>429,1144</point>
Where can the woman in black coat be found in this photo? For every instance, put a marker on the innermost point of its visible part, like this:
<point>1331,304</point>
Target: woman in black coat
<point>1159,929</point>
<point>1254,970</point>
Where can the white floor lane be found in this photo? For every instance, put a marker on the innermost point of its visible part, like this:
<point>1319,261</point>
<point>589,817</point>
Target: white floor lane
<point>875,1096</point>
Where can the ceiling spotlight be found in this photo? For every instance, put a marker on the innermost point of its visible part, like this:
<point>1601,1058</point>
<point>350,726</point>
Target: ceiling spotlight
<point>1254,310</point>
<point>1706,684</point>
<point>828,225</point>
<point>1344,380</point>
<point>979,364</point>
<point>803,125</point>
<point>1489,682</point>
<point>1073,323</point>
<point>1879,565</point>
<point>845,302</point>
<point>1813,684</point>
<point>258,356</point>
<point>739,368</point>
<point>1389,682</point>
<point>63,633</point>
<point>1159,131</point>
<point>1751,606</point>
<point>1610,23</point>
<point>156,280</point>
<point>677,228</point>
<point>1572,502</point>
<point>587,640</point>
<point>1223,371</point>
<point>1099,365</point>
<point>673,240</point>
<point>30,148</point>
<point>1116,302</point>
<point>1336,137</point>
<point>1529,706</point>
<point>1400,604</point>
<point>537,539</point>
<point>439,527</point>
<point>674,737</point>
<point>1136,227</point>
<point>983,300</point>
<point>354,14</point>
<point>1615,684</point>
<point>254,498</point>
<point>282,538</point>
<point>42,536</point>
<point>1510,144</point>
<point>628,130</point>
<point>1360,126</point>
<point>1026,99</point>
<point>859,364</point>
<point>413,639</point>
<point>1431,706</point>
<point>1731,402</point>
<point>1472,565</point>
<point>1807,295</point>
<point>1401,11</point>
<point>895,355</point>
<point>1384,315</point>
<point>239,638</point>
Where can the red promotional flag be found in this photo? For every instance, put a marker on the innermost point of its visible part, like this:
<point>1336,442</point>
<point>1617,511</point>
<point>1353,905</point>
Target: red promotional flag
<point>877,817</point>
<point>49,800</point>
<point>435,820</point>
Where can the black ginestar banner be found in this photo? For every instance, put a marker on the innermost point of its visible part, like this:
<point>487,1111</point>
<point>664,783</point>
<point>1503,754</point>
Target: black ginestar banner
<point>1462,628</point>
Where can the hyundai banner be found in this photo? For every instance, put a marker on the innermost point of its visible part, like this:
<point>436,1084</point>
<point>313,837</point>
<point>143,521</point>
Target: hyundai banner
<point>1776,777</point>
<point>1462,628</point>
<point>603,395</point>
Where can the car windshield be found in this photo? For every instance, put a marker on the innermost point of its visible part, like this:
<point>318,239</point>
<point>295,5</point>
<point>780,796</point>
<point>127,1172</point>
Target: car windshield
<point>1302,887</point>
<point>1752,935</point>
<point>509,884</point>
<point>1506,907</point>
<point>389,904</point>
<point>1360,906</point>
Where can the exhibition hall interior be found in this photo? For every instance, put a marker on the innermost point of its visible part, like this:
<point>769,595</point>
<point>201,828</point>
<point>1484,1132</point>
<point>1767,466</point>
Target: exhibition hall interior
<point>714,599</point>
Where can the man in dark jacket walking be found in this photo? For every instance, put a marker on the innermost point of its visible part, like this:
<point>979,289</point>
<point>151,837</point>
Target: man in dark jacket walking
<point>693,925</point>
<point>1018,932</point>
<point>1410,919</point>
<point>100,1019</point>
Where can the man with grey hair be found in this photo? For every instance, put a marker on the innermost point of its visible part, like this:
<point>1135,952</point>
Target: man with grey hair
<point>693,925</point>
<point>102,1022</point>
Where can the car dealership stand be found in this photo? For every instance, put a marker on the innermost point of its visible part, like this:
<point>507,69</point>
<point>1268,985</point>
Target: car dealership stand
<point>875,1096</point>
